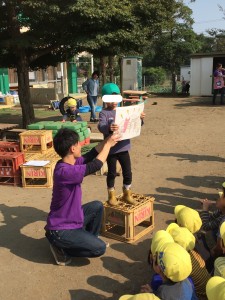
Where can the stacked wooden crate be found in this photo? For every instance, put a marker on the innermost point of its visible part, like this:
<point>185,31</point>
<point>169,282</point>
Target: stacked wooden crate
<point>37,146</point>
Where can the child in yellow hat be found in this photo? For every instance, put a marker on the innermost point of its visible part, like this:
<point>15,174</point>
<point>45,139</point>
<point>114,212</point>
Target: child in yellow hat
<point>189,218</point>
<point>215,288</point>
<point>219,265</point>
<point>173,264</point>
<point>72,113</point>
<point>186,239</point>
<point>211,220</point>
<point>142,296</point>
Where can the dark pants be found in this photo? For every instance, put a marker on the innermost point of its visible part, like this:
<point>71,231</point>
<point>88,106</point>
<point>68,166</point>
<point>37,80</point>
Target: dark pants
<point>92,100</point>
<point>124,160</point>
<point>83,242</point>
<point>217,91</point>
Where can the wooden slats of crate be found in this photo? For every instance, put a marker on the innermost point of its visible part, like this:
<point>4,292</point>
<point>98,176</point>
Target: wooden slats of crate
<point>126,222</point>
<point>38,177</point>
<point>36,141</point>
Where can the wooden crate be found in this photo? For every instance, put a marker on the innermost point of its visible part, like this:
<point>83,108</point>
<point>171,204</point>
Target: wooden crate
<point>37,177</point>
<point>126,222</point>
<point>36,141</point>
<point>50,155</point>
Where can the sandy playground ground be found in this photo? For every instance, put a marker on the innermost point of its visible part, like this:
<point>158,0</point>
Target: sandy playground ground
<point>179,159</point>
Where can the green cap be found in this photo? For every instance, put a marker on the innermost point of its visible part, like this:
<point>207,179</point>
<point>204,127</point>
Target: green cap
<point>110,88</point>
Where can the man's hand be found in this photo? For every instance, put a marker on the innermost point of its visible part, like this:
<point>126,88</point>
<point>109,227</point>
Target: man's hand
<point>142,115</point>
<point>113,139</point>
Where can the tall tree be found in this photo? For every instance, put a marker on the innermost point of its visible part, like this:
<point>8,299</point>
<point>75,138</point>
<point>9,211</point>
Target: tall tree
<point>55,30</point>
<point>176,42</point>
<point>32,35</point>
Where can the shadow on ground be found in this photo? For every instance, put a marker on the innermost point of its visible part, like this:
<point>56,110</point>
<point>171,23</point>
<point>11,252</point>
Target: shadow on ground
<point>194,158</point>
<point>15,219</point>
<point>134,263</point>
<point>201,101</point>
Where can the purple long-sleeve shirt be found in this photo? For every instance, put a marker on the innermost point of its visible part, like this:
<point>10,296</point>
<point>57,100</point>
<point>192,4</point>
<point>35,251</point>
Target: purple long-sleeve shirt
<point>66,210</point>
<point>106,118</point>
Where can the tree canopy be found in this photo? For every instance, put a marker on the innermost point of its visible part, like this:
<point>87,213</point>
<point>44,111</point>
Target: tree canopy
<point>36,34</point>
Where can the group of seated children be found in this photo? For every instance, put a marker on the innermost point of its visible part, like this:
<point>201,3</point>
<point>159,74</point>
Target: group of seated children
<point>187,265</point>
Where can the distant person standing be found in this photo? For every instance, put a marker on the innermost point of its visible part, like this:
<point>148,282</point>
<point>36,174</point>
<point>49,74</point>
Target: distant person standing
<point>91,87</point>
<point>218,83</point>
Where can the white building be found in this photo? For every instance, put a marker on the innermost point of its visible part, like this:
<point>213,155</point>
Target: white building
<point>185,73</point>
<point>132,73</point>
<point>202,68</point>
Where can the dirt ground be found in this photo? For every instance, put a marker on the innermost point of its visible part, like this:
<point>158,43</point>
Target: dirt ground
<point>179,159</point>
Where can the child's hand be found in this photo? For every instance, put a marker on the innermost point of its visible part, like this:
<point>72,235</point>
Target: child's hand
<point>74,121</point>
<point>63,121</point>
<point>146,289</point>
<point>114,127</point>
<point>142,115</point>
<point>206,204</point>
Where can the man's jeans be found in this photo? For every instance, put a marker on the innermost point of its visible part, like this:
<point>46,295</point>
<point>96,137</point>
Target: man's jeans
<point>83,242</point>
<point>92,100</point>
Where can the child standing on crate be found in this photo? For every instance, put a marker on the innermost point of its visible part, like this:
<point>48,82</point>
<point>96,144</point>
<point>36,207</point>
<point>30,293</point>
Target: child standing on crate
<point>120,151</point>
<point>72,113</point>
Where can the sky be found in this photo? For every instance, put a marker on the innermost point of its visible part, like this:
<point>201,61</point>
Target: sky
<point>206,14</point>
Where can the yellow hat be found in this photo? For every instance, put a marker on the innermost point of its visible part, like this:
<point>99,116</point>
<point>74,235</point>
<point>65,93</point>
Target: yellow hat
<point>220,194</point>
<point>160,238</point>
<point>222,232</point>
<point>215,288</point>
<point>71,102</point>
<point>175,262</point>
<point>181,236</point>
<point>188,217</point>
<point>142,296</point>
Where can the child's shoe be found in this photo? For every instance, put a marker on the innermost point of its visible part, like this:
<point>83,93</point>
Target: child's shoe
<point>127,196</point>
<point>112,198</point>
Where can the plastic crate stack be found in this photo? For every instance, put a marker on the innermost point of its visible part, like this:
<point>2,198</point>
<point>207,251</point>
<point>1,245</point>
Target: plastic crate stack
<point>10,161</point>
<point>37,145</point>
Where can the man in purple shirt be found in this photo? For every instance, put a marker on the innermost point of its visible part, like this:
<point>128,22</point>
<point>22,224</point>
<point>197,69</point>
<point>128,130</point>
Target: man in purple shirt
<point>72,228</point>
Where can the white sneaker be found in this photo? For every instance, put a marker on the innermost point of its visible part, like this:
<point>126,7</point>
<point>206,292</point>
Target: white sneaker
<point>61,258</point>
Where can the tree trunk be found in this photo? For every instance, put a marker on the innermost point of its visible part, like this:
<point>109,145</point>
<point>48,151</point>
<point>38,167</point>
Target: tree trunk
<point>24,90</point>
<point>111,68</point>
<point>103,69</point>
<point>121,74</point>
<point>174,83</point>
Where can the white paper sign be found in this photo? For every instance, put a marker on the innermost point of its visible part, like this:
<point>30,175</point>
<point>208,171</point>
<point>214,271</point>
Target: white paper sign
<point>129,121</point>
<point>37,163</point>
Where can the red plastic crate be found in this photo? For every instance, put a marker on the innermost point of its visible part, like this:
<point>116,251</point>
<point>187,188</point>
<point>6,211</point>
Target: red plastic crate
<point>87,141</point>
<point>9,146</point>
<point>10,167</point>
<point>82,143</point>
